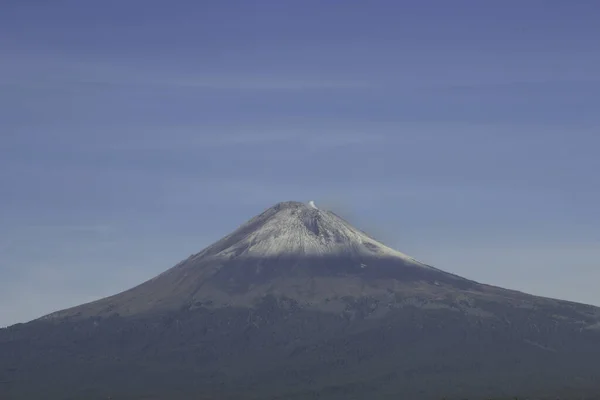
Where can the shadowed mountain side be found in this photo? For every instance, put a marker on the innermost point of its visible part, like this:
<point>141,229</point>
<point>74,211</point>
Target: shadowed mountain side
<point>279,350</point>
<point>299,304</point>
<point>312,280</point>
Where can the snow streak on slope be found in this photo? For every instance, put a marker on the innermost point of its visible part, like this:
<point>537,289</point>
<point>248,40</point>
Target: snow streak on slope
<point>297,229</point>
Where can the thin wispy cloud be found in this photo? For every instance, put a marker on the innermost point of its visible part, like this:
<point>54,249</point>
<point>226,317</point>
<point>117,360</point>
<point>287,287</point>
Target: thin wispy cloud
<point>67,73</point>
<point>67,229</point>
<point>175,138</point>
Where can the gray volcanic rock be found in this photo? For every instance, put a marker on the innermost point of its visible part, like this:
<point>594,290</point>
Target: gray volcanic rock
<point>293,250</point>
<point>299,304</point>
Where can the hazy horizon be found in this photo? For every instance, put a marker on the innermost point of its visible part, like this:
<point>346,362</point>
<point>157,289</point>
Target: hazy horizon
<point>134,134</point>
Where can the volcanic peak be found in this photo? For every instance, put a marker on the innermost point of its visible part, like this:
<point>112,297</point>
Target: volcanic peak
<point>292,228</point>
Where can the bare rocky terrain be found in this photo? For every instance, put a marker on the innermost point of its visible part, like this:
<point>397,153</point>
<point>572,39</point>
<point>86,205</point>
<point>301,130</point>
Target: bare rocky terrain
<point>299,304</point>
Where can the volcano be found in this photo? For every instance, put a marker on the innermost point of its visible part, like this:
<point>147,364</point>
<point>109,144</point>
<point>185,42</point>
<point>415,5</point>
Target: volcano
<point>299,304</point>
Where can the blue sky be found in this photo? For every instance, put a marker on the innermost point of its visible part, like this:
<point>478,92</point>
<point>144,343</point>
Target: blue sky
<point>134,133</point>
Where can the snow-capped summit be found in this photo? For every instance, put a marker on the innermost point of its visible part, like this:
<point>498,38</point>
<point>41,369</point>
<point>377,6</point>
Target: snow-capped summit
<point>297,229</point>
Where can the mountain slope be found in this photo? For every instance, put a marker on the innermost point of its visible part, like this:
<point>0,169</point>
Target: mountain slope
<point>295,304</point>
<point>290,249</point>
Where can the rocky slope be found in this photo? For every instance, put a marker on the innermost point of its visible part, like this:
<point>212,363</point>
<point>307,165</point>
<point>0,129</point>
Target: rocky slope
<point>297,303</point>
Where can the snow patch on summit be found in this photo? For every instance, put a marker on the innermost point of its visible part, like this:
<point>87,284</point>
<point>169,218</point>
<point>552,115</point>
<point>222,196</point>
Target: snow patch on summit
<point>297,229</point>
